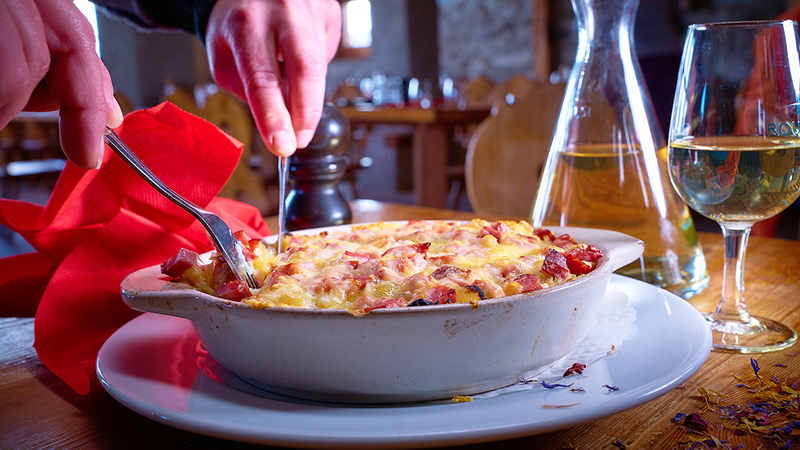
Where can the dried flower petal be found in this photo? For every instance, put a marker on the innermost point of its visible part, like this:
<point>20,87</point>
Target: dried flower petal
<point>575,368</point>
<point>695,422</point>
<point>554,385</point>
<point>461,399</point>
<point>611,388</point>
<point>620,445</point>
<point>559,406</point>
<point>770,416</point>
<point>754,364</point>
<point>711,397</point>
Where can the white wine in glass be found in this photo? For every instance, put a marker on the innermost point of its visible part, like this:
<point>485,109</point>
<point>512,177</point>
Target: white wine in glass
<point>734,152</point>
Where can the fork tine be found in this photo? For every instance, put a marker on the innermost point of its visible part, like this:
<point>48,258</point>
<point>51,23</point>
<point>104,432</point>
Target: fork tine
<point>251,281</point>
<point>220,233</point>
<point>229,246</point>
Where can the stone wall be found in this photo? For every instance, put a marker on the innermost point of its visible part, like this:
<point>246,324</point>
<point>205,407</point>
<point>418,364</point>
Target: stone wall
<point>493,37</point>
<point>485,38</point>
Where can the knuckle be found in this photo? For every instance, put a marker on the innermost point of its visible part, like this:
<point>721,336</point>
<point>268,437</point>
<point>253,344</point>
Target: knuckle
<point>239,15</point>
<point>22,79</point>
<point>307,117</point>
<point>311,67</point>
<point>261,80</point>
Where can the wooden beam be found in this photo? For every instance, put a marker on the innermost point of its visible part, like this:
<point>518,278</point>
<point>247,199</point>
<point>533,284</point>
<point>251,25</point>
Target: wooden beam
<point>540,40</point>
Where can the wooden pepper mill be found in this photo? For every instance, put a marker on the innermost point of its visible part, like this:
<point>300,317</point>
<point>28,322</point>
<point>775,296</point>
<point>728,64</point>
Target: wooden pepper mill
<point>314,199</point>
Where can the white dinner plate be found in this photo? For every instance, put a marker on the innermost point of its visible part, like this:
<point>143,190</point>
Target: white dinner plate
<point>156,366</point>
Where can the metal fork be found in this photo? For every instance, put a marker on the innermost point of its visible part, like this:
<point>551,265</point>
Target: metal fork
<point>220,233</point>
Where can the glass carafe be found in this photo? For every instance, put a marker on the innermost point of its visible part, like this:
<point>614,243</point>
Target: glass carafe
<point>607,162</point>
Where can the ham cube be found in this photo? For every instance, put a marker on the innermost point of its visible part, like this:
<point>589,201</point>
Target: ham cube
<point>180,263</point>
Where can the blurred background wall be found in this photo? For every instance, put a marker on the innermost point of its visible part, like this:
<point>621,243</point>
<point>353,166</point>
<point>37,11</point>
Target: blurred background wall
<point>411,38</point>
<point>430,40</point>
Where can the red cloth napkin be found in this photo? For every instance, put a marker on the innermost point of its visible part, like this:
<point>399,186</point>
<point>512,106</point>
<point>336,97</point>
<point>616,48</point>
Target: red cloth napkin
<point>100,225</point>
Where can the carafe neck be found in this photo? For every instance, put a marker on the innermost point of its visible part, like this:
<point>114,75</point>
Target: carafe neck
<point>605,24</point>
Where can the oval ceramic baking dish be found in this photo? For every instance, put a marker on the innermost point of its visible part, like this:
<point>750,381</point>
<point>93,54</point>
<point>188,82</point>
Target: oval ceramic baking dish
<point>392,355</point>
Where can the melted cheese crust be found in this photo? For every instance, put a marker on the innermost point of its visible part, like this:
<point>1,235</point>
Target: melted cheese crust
<point>385,265</point>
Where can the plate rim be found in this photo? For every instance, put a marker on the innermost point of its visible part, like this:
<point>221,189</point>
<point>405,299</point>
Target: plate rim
<point>475,433</point>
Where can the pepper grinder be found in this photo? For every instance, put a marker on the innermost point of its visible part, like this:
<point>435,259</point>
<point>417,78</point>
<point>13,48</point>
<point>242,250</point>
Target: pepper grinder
<point>314,199</point>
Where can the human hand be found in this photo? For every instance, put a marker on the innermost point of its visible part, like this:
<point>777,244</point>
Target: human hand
<point>49,62</point>
<point>247,39</point>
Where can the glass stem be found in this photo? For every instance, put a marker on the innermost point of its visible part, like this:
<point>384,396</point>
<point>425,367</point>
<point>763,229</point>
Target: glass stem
<point>732,305</point>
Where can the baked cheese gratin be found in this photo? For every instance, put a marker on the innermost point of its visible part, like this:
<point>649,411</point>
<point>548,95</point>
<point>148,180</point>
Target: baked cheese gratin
<point>394,265</point>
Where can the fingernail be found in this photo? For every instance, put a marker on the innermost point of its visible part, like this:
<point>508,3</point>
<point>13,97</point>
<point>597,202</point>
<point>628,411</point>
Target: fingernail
<point>304,138</point>
<point>99,156</point>
<point>282,143</point>
<point>115,115</point>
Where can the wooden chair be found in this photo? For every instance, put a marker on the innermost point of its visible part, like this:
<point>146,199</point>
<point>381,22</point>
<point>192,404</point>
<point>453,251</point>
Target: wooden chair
<point>357,159</point>
<point>38,147</point>
<point>508,150</point>
<point>125,103</point>
<point>232,116</point>
<point>516,86</point>
<point>181,97</point>
<point>478,92</point>
<point>31,155</point>
<point>348,93</point>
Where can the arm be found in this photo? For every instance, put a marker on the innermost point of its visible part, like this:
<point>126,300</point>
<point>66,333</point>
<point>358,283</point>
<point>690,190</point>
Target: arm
<point>271,53</point>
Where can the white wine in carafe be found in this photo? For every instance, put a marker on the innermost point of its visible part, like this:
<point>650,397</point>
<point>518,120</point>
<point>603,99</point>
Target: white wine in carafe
<point>606,167</point>
<point>598,188</point>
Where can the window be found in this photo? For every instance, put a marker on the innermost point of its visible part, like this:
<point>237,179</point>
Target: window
<point>88,10</point>
<point>356,29</point>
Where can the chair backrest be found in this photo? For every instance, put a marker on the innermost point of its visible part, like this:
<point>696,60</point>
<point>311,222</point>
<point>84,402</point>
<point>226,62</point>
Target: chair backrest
<point>516,85</point>
<point>477,91</point>
<point>347,93</point>
<point>181,97</point>
<point>125,103</point>
<point>508,150</point>
<point>233,116</point>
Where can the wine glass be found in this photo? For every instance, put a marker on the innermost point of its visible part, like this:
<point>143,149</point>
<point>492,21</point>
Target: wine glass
<point>734,152</point>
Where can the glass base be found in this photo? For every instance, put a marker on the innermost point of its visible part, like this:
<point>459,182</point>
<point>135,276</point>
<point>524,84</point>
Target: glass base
<point>689,290</point>
<point>685,276</point>
<point>759,335</point>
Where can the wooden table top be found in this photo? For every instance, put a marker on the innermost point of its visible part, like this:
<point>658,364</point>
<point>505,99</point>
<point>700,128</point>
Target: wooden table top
<point>37,410</point>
